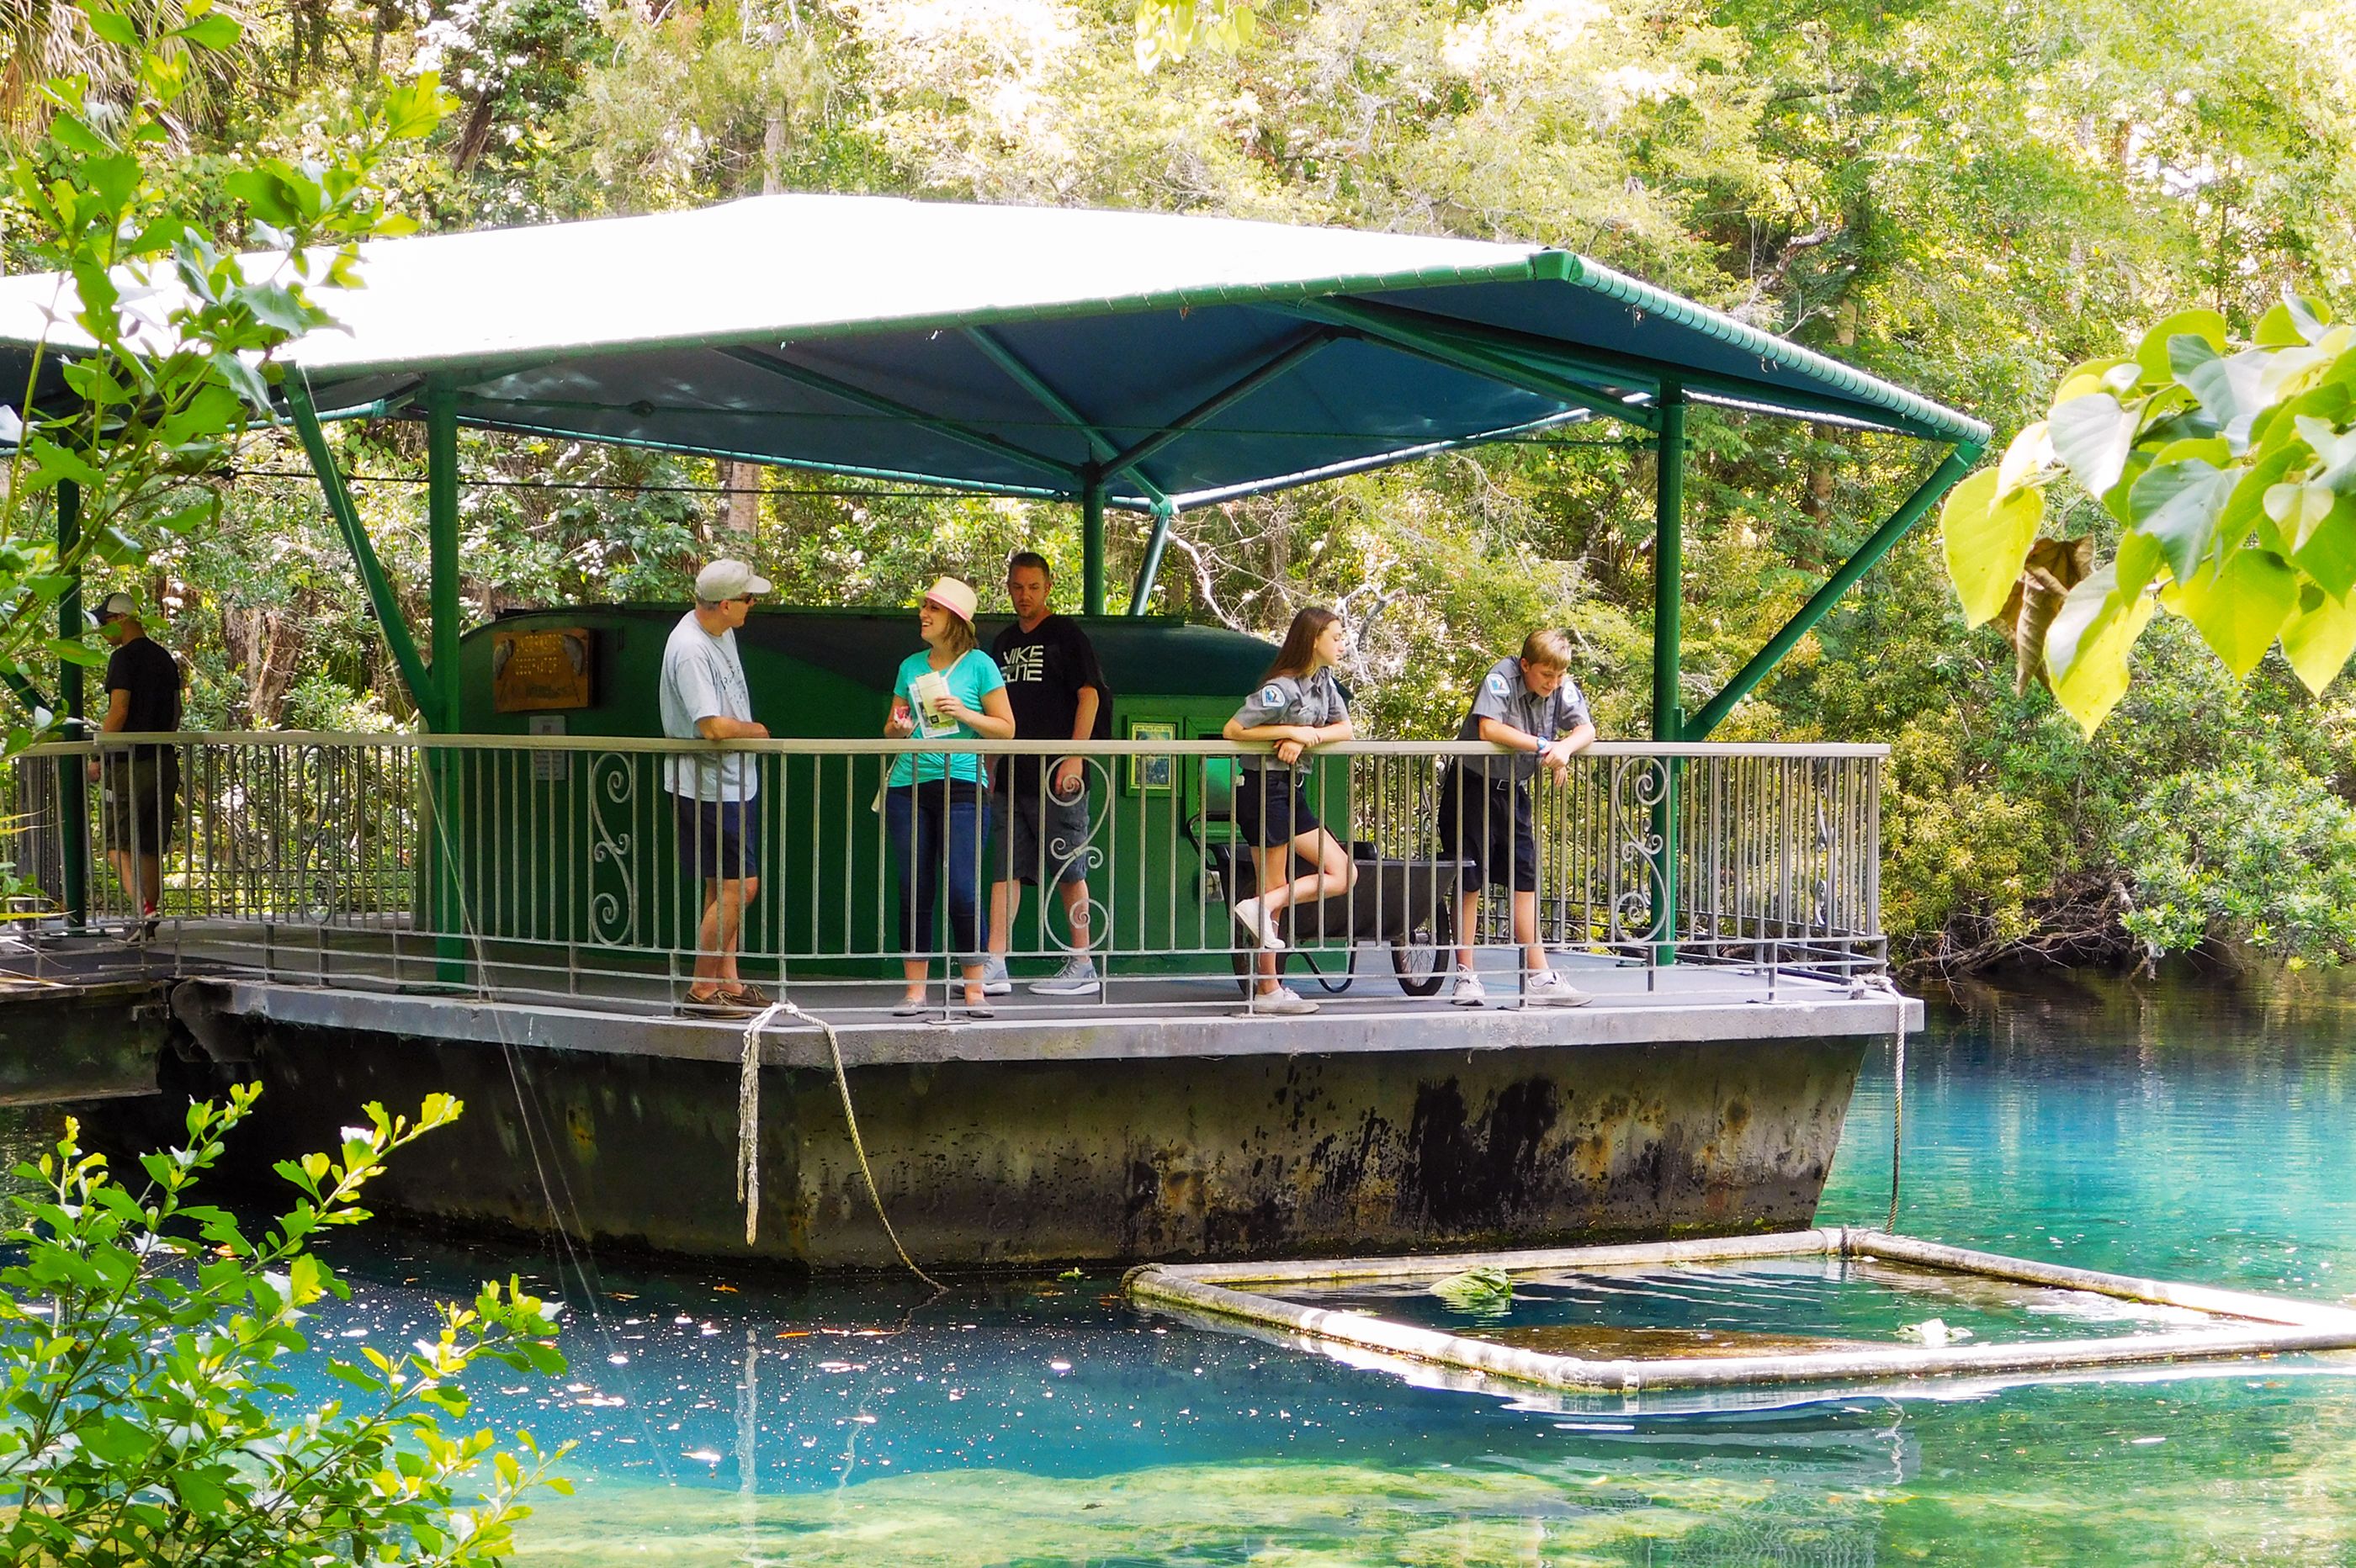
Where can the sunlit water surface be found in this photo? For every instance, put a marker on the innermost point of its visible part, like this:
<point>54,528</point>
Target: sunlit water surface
<point>2188,1131</point>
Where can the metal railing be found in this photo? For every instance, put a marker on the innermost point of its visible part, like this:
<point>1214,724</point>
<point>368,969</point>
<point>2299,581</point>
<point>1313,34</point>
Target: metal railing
<point>567,868</point>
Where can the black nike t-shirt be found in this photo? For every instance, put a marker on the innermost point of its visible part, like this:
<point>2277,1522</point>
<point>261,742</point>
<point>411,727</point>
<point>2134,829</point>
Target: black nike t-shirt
<point>1046,668</point>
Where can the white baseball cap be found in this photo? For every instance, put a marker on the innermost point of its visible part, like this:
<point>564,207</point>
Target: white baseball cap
<point>116,604</point>
<point>728,580</point>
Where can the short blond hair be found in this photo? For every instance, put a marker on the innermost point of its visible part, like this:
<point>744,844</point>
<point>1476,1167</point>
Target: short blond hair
<point>1548,648</point>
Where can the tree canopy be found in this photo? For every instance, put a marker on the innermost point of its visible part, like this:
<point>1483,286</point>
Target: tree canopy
<point>1967,198</point>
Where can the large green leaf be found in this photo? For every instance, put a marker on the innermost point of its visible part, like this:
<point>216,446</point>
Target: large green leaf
<point>2238,608</point>
<point>2318,638</point>
<point>2232,390</point>
<point>1986,540</point>
<point>2154,352</point>
<point>2086,651</point>
<point>2247,505</point>
<point>2178,505</point>
<point>2092,434</point>
<point>2327,550</point>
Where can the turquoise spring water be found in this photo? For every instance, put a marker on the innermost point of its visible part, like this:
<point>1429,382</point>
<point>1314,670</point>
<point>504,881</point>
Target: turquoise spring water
<point>2189,1131</point>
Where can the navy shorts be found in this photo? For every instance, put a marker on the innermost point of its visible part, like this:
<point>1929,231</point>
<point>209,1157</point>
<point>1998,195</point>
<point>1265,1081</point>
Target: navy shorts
<point>1489,826</point>
<point>718,840</point>
<point>1270,807</point>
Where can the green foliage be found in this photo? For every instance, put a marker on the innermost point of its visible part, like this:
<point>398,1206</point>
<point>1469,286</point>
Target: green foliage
<point>2234,484</point>
<point>145,1341</point>
<point>2259,853</point>
<point>167,357</point>
<point>1170,29</point>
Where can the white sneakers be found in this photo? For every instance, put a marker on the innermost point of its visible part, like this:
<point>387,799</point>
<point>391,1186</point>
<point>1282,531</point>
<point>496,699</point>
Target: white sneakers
<point>1260,924</point>
<point>1284,1003</point>
<point>1543,988</point>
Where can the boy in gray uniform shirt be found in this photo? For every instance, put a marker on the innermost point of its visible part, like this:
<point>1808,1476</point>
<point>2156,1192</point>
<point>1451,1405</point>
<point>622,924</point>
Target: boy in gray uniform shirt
<point>1531,707</point>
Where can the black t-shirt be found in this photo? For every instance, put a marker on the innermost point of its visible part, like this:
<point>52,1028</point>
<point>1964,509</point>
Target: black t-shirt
<point>146,669</point>
<point>1046,668</point>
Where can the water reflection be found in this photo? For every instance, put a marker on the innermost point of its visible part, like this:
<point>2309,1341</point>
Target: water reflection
<point>729,1419</point>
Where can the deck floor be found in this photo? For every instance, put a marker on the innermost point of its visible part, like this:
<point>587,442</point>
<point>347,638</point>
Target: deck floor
<point>510,996</point>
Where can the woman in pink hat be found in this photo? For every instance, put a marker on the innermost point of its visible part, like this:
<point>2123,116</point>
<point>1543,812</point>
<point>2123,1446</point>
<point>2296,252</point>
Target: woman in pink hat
<point>933,806</point>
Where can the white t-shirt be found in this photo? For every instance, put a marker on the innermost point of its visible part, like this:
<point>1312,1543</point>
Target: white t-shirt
<point>701,678</point>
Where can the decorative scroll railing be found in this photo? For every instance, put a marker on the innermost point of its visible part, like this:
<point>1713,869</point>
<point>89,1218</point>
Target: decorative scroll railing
<point>561,865</point>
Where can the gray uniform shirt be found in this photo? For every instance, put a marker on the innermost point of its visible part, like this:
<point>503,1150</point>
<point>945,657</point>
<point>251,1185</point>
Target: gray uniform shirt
<point>1292,700</point>
<point>1505,697</point>
<point>701,678</point>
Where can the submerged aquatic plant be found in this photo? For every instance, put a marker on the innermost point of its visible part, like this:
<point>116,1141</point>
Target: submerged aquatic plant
<point>1482,1292</point>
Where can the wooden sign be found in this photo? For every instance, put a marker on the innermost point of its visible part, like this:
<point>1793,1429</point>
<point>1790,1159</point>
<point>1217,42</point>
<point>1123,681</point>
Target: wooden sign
<point>537,671</point>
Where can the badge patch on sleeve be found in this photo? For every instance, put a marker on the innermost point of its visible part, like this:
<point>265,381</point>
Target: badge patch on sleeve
<point>1272,695</point>
<point>1496,683</point>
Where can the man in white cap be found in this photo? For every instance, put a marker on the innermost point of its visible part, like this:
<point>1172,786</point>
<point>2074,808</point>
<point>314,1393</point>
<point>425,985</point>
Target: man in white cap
<point>141,783</point>
<point>704,697</point>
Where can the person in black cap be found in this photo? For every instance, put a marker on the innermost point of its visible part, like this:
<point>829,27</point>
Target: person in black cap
<point>141,783</point>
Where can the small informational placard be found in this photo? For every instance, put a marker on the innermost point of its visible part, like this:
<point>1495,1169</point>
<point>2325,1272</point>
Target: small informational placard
<point>547,767</point>
<point>547,667</point>
<point>928,690</point>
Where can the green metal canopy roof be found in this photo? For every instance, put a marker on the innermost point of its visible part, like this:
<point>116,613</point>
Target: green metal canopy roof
<point>1159,361</point>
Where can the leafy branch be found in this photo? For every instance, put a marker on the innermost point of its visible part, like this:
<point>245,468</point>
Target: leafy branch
<point>159,346</point>
<point>2232,473</point>
<point>144,1340</point>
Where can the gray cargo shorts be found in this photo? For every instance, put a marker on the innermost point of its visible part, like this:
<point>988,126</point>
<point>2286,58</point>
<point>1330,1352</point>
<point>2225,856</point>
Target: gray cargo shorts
<point>1029,834</point>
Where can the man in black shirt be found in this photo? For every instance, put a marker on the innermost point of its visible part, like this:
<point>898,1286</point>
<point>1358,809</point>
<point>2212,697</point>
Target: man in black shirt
<point>1039,816</point>
<point>142,782</point>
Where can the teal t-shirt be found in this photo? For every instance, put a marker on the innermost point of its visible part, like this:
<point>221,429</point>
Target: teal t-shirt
<point>970,679</point>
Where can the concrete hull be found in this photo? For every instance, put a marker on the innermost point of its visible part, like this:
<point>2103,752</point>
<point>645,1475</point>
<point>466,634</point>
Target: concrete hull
<point>1017,1163</point>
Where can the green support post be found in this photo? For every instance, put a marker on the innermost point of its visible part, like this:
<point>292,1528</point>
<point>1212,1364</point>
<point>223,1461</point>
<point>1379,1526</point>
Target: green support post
<point>1143,593</point>
<point>443,870</point>
<point>1668,618</point>
<point>442,535</point>
<point>1945,478</point>
<point>73,781</point>
<point>1092,542</point>
<point>377,585</point>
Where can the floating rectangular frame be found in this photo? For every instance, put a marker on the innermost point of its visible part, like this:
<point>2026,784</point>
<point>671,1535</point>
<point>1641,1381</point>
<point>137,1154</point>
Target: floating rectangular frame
<point>2264,1325</point>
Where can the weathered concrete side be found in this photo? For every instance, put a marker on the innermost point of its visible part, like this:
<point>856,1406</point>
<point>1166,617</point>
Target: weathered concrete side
<point>1259,1153</point>
<point>81,1041</point>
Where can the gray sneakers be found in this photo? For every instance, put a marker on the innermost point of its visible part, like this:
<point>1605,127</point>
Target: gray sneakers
<point>1077,978</point>
<point>994,981</point>
<point>1545,988</point>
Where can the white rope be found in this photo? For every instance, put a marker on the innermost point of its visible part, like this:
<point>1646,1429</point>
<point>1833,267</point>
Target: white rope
<point>1862,987</point>
<point>748,1129</point>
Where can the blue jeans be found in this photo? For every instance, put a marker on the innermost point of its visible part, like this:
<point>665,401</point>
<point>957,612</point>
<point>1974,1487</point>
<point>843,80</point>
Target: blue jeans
<point>936,825</point>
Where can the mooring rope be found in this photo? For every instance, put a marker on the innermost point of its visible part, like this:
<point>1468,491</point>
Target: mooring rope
<point>748,1129</point>
<point>1897,1111</point>
<point>1859,988</point>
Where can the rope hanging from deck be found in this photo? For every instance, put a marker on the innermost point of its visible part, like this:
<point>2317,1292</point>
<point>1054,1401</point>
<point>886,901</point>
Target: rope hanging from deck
<point>748,1130</point>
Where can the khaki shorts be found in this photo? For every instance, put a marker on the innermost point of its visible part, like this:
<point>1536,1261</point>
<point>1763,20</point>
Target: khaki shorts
<point>142,802</point>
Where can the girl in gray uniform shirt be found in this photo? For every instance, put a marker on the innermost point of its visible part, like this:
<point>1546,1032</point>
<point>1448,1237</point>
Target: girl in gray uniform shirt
<point>1298,706</point>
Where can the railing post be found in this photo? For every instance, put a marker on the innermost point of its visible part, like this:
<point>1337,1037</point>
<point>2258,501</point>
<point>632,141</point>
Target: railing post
<point>446,867</point>
<point>1669,617</point>
<point>73,783</point>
